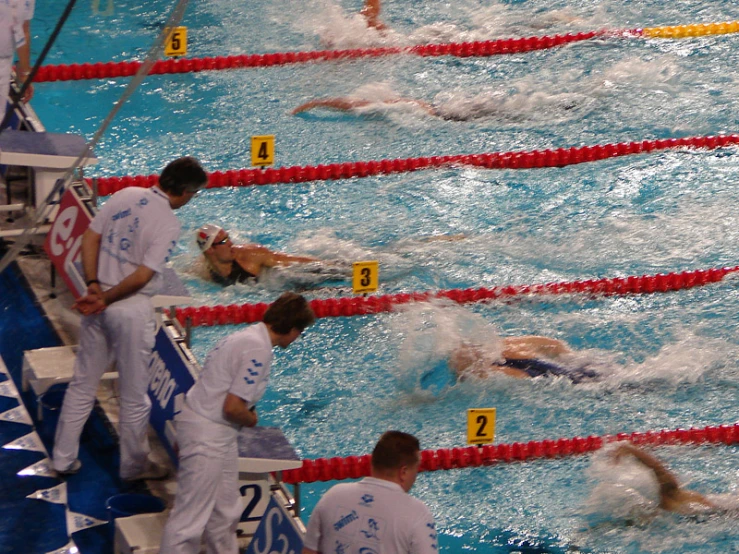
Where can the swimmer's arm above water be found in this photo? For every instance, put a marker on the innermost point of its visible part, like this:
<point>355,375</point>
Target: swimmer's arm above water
<point>339,104</point>
<point>253,258</point>
<point>346,104</point>
<point>672,497</point>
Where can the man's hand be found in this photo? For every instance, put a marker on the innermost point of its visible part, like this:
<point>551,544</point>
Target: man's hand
<point>90,304</point>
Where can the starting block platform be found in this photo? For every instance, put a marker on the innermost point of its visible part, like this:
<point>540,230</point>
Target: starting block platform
<point>45,367</point>
<point>262,451</point>
<point>49,154</point>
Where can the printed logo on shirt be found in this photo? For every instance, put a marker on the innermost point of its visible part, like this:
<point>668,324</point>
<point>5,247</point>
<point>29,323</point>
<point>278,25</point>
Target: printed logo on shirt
<point>366,500</point>
<point>433,534</point>
<point>133,226</point>
<point>125,244</point>
<point>143,202</point>
<point>121,214</point>
<point>257,364</point>
<point>171,249</point>
<point>341,548</point>
<point>367,550</point>
<point>371,528</point>
<point>346,520</point>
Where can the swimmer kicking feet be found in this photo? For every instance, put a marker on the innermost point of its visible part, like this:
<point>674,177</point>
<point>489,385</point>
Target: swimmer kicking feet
<point>524,357</point>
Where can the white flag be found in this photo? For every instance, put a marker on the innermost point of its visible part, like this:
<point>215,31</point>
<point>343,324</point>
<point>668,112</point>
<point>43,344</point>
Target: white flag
<point>7,388</point>
<point>70,548</point>
<point>17,415</point>
<point>55,495</point>
<point>30,442</point>
<point>39,469</point>
<point>78,522</point>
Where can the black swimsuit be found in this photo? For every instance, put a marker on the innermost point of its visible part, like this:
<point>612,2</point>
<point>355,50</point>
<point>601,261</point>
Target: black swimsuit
<point>537,368</point>
<point>238,275</point>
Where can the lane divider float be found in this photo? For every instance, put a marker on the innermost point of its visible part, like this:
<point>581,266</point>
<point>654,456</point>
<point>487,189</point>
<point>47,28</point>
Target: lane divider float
<point>559,157</point>
<point>235,314</point>
<point>355,467</point>
<point>109,70</point>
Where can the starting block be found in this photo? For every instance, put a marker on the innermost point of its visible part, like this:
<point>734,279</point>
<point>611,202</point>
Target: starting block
<point>45,367</point>
<point>139,534</point>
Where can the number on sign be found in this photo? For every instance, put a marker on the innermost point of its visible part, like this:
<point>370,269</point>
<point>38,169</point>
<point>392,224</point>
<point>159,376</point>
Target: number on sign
<point>246,491</point>
<point>482,422</point>
<point>263,152</point>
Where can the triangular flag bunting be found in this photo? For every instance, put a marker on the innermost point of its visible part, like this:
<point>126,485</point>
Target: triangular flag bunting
<point>16,415</point>
<point>70,548</point>
<point>31,442</point>
<point>55,495</point>
<point>78,522</point>
<point>7,388</point>
<point>39,469</point>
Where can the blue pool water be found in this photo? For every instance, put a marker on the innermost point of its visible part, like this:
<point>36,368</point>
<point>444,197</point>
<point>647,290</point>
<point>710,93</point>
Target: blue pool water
<point>670,359</point>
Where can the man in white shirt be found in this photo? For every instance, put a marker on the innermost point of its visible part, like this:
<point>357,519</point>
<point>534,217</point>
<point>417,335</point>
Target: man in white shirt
<point>234,378</point>
<point>15,36</point>
<point>376,515</point>
<point>124,252</point>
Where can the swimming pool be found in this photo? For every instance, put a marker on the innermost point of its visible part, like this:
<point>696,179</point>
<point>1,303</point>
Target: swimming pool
<point>671,357</point>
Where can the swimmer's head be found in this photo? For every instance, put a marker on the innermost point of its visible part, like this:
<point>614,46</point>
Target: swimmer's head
<point>206,235</point>
<point>466,355</point>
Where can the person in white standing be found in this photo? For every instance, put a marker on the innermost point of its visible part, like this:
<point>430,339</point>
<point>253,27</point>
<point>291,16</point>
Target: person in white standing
<point>234,378</point>
<point>376,515</point>
<point>15,36</point>
<point>124,252</point>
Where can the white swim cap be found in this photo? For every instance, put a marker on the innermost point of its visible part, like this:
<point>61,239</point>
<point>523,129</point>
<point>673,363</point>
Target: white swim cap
<point>206,235</point>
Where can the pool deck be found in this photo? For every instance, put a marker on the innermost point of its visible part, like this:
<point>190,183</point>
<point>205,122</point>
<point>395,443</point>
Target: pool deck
<point>55,302</point>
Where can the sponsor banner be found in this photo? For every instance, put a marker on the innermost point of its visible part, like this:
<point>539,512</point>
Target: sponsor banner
<point>276,532</point>
<point>64,241</point>
<point>31,442</point>
<point>172,376</point>
<point>55,495</point>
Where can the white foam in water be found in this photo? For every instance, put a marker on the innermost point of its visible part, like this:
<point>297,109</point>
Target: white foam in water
<point>339,29</point>
<point>553,98</point>
<point>429,332</point>
<point>623,490</point>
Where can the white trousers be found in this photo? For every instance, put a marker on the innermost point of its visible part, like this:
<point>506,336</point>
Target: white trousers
<point>208,504</point>
<point>124,332</point>
<point>6,65</point>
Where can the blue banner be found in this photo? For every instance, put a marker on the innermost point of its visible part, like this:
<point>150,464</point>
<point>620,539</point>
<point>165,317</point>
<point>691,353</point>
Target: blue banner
<point>172,376</point>
<point>276,533</point>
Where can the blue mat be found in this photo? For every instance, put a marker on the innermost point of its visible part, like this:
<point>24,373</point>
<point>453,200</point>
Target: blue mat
<point>32,526</point>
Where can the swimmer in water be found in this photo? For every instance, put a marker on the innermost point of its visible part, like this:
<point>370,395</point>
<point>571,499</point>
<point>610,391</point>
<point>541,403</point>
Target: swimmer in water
<point>230,263</point>
<point>673,497</point>
<point>523,357</point>
<point>371,13</point>
<point>481,106</point>
<point>347,104</point>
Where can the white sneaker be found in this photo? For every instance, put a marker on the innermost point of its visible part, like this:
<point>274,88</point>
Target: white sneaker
<point>152,472</point>
<point>74,467</point>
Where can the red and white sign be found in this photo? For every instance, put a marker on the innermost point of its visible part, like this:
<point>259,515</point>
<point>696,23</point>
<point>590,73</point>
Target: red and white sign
<point>64,240</point>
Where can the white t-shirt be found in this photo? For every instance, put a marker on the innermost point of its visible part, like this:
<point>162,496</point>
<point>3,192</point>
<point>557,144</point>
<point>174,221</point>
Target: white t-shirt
<point>138,227</point>
<point>13,13</point>
<point>371,516</point>
<point>239,364</point>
